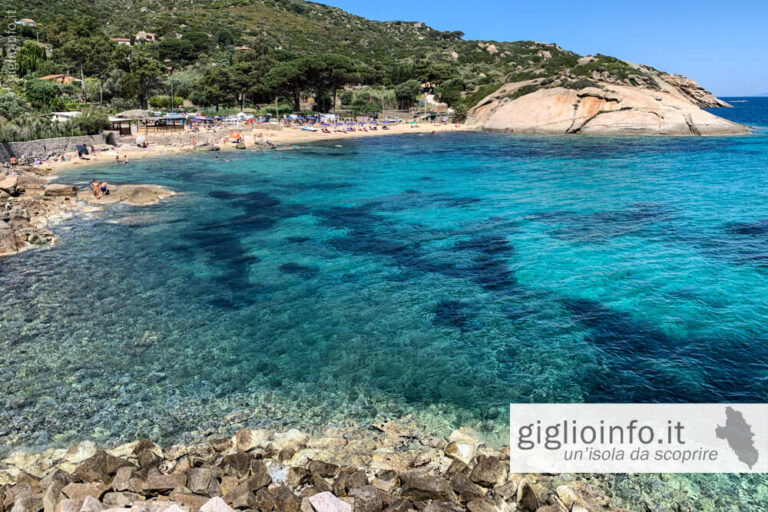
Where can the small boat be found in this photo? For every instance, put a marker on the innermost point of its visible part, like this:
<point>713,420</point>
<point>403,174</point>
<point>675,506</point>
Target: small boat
<point>308,129</point>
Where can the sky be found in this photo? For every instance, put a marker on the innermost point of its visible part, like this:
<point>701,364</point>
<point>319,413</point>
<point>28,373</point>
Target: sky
<point>722,45</point>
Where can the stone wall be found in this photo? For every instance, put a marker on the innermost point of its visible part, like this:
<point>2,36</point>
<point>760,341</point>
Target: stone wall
<point>46,148</point>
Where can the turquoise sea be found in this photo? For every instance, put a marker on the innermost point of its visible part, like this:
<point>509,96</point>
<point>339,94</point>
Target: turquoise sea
<point>441,275</point>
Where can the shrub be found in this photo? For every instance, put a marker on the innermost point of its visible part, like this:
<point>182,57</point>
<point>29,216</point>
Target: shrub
<point>460,113</point>
<point>164,102</point>
<point>524,91</point>
<point>12,106</point>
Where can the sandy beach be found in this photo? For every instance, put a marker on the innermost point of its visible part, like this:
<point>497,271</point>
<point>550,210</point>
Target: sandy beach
<point>255,138</point>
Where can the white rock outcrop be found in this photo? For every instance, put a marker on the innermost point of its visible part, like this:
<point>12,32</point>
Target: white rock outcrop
<point>609,109</point>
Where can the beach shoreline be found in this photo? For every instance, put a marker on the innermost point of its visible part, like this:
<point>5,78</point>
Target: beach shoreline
<point>164,145</point>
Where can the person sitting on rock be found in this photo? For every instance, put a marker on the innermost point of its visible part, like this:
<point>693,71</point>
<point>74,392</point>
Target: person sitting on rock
<point>104,188</point>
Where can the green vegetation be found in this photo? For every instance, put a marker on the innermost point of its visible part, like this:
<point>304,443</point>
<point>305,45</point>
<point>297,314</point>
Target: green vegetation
<point>604,64</point>
<point>523,91</point>
<point>235,54</point>
<point>90,122</point>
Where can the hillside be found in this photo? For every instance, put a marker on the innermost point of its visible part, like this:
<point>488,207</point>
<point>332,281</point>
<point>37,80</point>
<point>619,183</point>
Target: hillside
<point>491,75</point>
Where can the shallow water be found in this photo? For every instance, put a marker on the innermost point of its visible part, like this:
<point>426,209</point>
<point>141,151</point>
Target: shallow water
<point>443,275</point>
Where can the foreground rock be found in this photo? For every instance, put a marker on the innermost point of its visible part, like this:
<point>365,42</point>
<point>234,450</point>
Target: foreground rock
<point>665,105</point>
<point>29,206</point>
<point>389,469</point>
<point>135,195</point>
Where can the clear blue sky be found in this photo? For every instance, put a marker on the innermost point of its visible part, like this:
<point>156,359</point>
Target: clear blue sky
<point>722,45</point>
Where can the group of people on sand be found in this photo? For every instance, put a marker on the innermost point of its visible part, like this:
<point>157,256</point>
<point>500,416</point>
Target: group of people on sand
<point>99,188</point>
<point>125,159</point>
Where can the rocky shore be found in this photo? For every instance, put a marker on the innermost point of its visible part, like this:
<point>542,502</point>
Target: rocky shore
<point>599,105</point>
<point>29,206</point>
<point>389,468</point>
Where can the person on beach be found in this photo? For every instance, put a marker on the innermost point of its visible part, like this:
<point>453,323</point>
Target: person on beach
<point>104,188</point>
<point>95,187</point>
<point>117,159</point>
<point>125,159</point>
<point>14,162</point>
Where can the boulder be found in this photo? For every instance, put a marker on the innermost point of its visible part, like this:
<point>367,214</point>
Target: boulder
<point>285,499</point>
<point>91,504</point>
<point>292,437</point>
<point>480,505</point>
<point>18,213</point>
<point>264,501</point>
<point>199,479</point>
<point>297,476</point>
<point>121,499</point>
<point>466,488</point>
<point>33,503</point>
<point>193,501</point>
<point>60,190</point>
<point>236,464</point>
<point>462,446</point>
<point>427,487</point>
<point>246,439</point>
<point>8,244</point>
<point>81,491</point>
<point>568,496</point>
<point>349,479</point>
<point>367,499</point>
<point>442,506</point>
<point>8,185</point>
<point>161,483</point>
<point>69,505</point>
<point>526,498</point>
<point>327,502</point>
<point>216,505</point>
<point>400,505</point>
<point>318,467</point>
<point>99,468</point>
<point>122,479</point>
<point>147,458</point>
<point>245,500</point>
<point>286,454</point>
<point>488,471</point>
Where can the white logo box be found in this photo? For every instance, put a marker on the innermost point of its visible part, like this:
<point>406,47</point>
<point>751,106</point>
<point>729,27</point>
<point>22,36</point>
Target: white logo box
<point>638,438</point>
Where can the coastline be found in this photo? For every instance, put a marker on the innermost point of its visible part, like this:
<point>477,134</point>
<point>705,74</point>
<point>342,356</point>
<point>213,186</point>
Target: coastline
<point>284,138</point>
<point>390,466</point>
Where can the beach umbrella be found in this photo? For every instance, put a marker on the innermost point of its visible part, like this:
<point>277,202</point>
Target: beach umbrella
<point>234,135</point>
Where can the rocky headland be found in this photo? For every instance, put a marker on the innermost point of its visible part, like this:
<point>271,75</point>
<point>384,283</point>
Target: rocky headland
<point>29,206</point>
<point>390,467</point>
<point>627,100</point>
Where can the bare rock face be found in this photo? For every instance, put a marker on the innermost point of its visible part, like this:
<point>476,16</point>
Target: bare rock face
<point>693,91</point>
<point>136,195</point>
<point>606,108</point>
<point>59,189</point>
<point>7,239</point>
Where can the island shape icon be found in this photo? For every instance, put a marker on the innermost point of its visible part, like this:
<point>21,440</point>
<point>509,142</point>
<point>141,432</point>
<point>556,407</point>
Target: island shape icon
<point>740,437</point>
